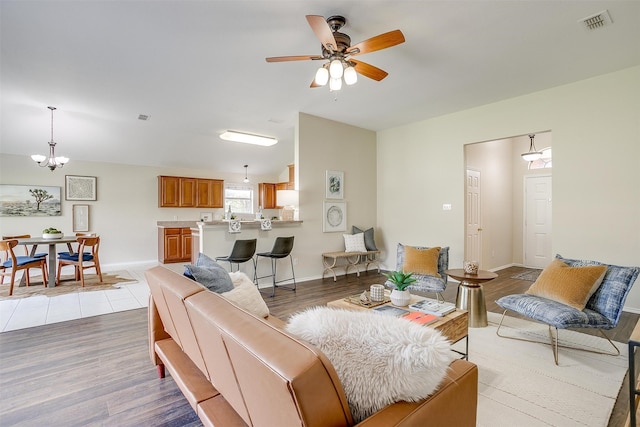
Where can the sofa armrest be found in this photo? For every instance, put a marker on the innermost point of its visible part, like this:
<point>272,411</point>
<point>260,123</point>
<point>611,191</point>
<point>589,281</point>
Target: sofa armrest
<point>454,403</point>
<point>156,331</point>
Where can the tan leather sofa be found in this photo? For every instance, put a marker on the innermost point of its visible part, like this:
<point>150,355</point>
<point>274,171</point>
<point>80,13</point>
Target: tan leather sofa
<point>236,369</point>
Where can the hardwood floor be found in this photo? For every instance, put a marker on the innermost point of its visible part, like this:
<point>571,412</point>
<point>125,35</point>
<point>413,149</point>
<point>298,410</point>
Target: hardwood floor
<point>96,371</point>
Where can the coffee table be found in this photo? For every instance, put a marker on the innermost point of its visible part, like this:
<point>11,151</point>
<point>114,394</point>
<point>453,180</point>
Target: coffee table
<point>454,326</point>
<point>471,295</point>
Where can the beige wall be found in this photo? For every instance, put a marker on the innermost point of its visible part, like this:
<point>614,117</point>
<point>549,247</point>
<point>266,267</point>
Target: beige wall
<point>596,152</point>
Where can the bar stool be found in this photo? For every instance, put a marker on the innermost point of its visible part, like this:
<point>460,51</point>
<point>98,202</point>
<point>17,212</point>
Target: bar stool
<point>281,249</point>
<point>243,251</point>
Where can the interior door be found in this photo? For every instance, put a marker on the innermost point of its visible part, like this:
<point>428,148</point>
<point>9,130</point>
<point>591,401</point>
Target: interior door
<point>537,221</point>
<point>473,228</point>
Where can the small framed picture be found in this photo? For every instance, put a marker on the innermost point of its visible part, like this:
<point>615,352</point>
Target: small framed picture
<point>335,217</point>
<point>80,218</point>
<point>80,187</point>
<point>334,185</point>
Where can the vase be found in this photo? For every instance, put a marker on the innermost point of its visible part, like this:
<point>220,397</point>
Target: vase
<point>400,298</point>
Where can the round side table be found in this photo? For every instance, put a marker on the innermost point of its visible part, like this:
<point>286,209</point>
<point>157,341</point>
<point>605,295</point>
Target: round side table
<point>471,295</point>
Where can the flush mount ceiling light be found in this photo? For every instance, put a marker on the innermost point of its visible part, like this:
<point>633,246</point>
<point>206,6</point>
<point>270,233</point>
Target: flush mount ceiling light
<point>533,154</point>
<point>337,50</point>
<point>246,177</point>
<point>52,162</point>
<point>248,138</point>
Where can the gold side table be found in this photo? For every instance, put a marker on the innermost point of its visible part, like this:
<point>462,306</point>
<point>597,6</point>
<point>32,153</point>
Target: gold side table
<point>471,295</point>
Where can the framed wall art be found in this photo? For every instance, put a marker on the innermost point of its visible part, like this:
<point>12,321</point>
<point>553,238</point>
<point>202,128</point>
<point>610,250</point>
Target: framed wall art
<point>80,218</point>
<point>334,217</point>
<point>80,187</point>
<point>29,200</point>
<point>334,185</point>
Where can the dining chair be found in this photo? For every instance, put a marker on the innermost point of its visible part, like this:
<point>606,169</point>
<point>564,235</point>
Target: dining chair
<point>70,247</point>
<point>242,251</point>
<point>17,263</point>
<point>27,251</point>
<point>82,259</point>
<point>282,248</point>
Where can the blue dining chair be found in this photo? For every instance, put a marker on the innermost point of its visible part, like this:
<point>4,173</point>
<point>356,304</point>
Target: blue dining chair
<point>16,263</point>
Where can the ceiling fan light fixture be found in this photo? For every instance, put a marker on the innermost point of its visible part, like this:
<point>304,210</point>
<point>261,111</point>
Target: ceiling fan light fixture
<point>336,69</point>
<point>335,84</point>
<point>350,75</point>
<point>248,138</point>
<point>322,76</point>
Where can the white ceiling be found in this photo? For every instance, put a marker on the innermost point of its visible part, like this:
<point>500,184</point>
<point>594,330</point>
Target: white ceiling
<point>198,68</point>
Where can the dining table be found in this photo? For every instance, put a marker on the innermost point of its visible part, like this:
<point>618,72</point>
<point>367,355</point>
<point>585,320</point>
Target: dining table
<point>35,241</point>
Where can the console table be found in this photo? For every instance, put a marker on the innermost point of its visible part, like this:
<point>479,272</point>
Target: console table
<point>352,259</point>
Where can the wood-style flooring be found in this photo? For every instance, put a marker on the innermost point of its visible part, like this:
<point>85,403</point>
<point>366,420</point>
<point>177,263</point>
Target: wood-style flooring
<point>97,372</point>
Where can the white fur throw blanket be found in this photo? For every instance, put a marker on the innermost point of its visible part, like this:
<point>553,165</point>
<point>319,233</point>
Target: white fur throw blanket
<point>379,359</point>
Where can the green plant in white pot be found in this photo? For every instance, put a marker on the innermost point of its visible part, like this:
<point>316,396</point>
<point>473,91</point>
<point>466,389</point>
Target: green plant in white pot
<point>400,296</point>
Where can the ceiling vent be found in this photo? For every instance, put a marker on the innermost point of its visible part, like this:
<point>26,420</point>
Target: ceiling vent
<point>143,117</point>
<point>598,20</point>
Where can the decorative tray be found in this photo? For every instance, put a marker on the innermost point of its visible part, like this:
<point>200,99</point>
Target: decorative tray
<point>355,299</point>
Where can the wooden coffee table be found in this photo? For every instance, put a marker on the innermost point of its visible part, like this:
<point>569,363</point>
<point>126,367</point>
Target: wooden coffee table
<point>454,326</point>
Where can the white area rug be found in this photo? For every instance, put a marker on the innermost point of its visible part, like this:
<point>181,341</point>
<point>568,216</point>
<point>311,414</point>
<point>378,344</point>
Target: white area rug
<point>520,385</point>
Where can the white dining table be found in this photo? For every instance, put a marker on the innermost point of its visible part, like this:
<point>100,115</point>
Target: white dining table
<point>35,241</point>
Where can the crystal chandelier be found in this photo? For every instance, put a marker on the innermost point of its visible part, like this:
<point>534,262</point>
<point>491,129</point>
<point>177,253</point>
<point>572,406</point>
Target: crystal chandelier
<point>52,162</point>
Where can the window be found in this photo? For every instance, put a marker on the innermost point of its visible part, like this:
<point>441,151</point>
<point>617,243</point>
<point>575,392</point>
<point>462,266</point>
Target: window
<point>239,197</point>
<point>543,162</point>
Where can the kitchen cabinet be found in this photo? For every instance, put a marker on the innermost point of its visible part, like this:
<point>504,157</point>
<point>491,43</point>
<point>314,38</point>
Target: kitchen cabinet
<point>174,245</point>
<point>184,192</point>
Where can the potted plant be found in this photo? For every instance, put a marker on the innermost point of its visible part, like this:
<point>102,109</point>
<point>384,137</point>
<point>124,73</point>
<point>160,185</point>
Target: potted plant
<point>400,296</point>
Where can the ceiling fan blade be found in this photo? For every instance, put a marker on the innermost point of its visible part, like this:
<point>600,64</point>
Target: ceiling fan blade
<point>323,32</point>
<point>292,58</point>
<point>381,41</point>
<point>369,70</point>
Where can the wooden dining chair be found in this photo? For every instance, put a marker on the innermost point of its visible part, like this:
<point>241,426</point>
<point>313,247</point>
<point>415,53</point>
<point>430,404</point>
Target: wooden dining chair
<point>16,263</point>
<point>70,249</point>
<point>27,251</point>
<point>82,259</point>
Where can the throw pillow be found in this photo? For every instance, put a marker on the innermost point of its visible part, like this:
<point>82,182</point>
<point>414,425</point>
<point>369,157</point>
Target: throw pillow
<point>572,286</point>
<point>379,359</point>
<point>246,295</point>
<point>209,273</point>
<point>204,261</point>
<point>421,261</point>
<point>354,243</point>
<point>369,241</point>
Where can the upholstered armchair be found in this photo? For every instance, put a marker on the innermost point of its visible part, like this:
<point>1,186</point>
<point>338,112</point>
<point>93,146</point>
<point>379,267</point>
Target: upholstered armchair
<point>435,282</point>
<point>601,311</point>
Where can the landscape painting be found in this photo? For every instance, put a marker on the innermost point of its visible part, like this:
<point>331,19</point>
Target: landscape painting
<point>29,200</point>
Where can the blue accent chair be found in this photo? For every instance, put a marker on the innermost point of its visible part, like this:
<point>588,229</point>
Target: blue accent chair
<point>602,311</point>
<point>423,282</point>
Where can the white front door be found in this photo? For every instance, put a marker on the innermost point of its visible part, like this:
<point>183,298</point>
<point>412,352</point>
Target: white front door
<point>537,221</point>
<point>473,230</point>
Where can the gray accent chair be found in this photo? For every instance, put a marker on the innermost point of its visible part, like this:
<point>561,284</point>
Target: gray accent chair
<point>602,311</point>
<point>423,282</point>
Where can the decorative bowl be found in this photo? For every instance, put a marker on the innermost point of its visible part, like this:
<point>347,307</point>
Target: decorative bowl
<point>52,235</point>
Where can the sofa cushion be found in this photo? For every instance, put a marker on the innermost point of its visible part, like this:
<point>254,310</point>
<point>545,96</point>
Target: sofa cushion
<point>379,360</point>
<point>572,286</point>
<point>354,243</point>
<point>245,294</point>
<point>369,241</point>
<point>421,261</point>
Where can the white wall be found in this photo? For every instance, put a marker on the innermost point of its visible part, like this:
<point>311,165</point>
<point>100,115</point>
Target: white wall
<point>596,154</point>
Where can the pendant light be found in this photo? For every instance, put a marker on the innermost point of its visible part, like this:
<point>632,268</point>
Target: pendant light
<point>533,154</point>
<point>52,162</point>
<point>246,176</point>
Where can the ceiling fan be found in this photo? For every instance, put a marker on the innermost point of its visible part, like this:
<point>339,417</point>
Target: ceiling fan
<point>337,50</point>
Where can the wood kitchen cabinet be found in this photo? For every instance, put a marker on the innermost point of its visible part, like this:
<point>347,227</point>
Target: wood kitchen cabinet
<point>174,245</point>
<point>184,192</point>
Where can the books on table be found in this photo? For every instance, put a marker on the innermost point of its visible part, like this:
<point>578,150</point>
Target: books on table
<point>421,318</point>
<point>432,306</point>
<point>390,310</point>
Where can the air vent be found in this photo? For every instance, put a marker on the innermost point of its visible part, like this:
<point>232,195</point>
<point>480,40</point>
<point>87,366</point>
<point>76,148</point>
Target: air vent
<point>143,117</point>
<point>598,20</point>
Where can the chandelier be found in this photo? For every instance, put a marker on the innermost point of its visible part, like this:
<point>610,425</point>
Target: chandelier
<point>334,72</point>
<point>533,154</point>
<point>52,162</point>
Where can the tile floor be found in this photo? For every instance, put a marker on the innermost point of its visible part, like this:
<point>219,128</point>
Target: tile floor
<point>42,310</point>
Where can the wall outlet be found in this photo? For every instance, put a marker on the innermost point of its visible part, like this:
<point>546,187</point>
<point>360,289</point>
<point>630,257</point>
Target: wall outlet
<point>446,206</point>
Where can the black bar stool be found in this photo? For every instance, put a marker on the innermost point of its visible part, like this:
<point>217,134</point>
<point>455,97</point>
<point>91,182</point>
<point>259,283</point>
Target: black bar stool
<point>243,251</point>
<point>281,249</point>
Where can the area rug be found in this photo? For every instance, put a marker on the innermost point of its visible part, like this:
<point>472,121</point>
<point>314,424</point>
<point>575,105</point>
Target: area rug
<point>530,275</point>
<point>67,285</point>
<point>519,384</point>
